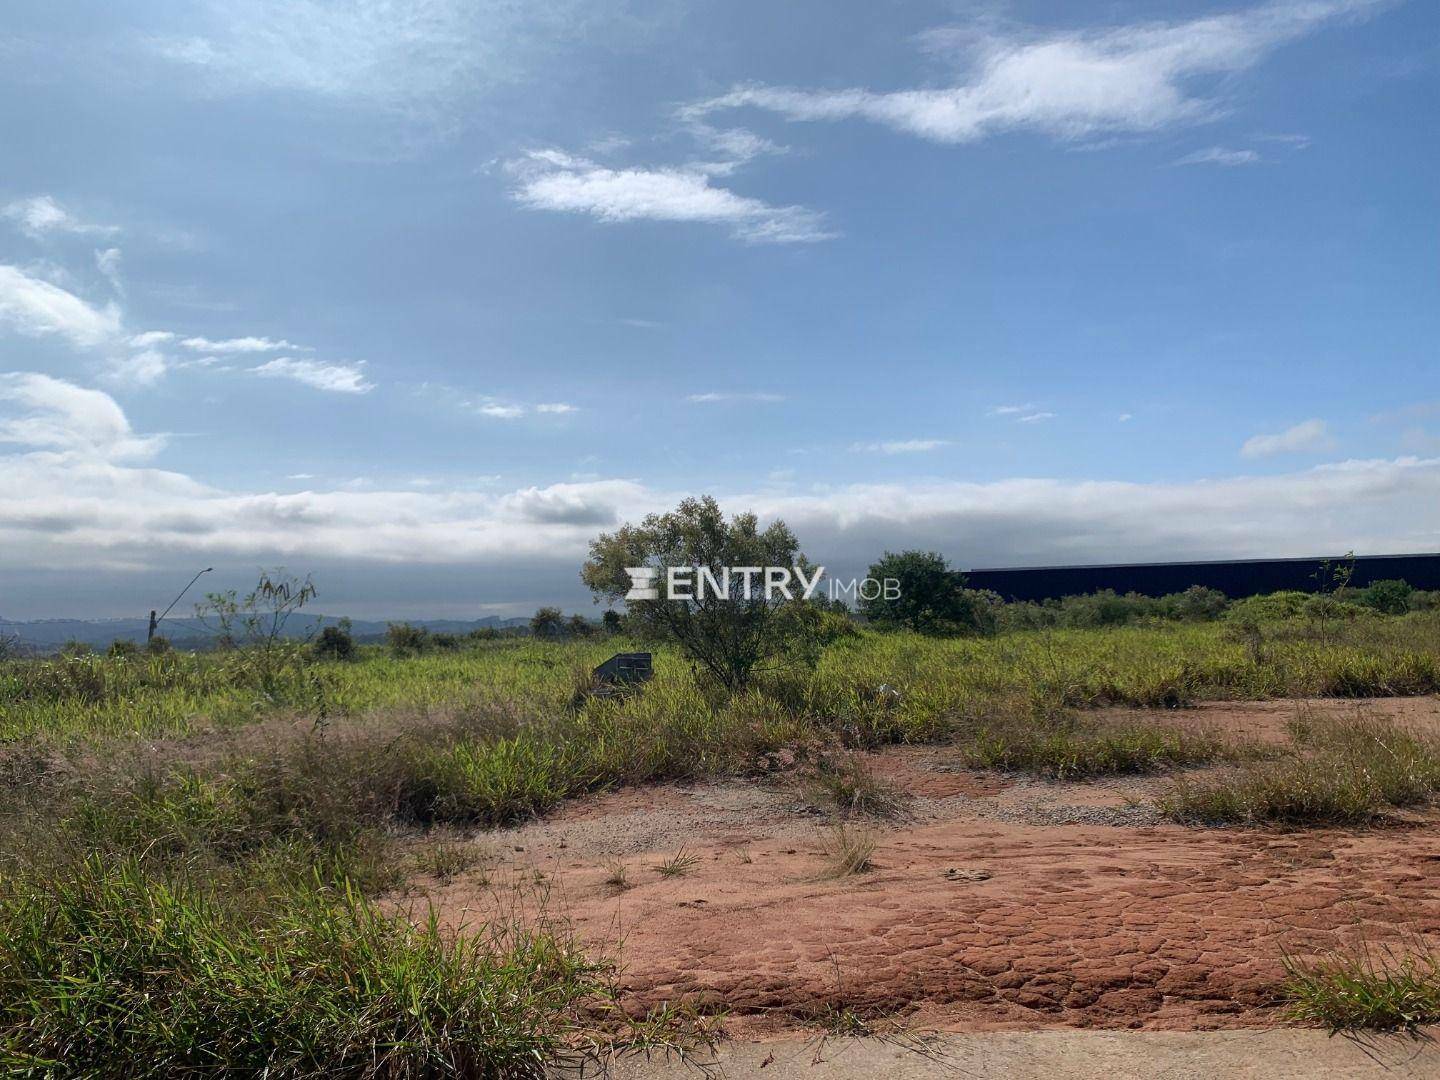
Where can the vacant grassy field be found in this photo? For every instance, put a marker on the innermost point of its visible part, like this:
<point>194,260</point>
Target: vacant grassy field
<point>190,844</point>
<point>1165,665</point>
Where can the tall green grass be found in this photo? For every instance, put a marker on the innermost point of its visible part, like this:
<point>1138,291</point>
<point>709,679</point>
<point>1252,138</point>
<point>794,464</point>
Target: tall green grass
<point>1166,665</point>
<point>1367,988</point>
<point>109,969</point>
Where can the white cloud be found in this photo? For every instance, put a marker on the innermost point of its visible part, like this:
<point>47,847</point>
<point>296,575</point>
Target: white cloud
<point>68,497</point>
<point>144,368</point>
<point>77,491</point>
<point>107,261</point>
<point>558,408</point>
<point>37,308</point>
<point>716,397</point>
<point>424,60</point>
<point>1072,84</point>
<point>41,214</point>
<point>45,413</point>
<point>1027,413</point>
<point>1308,436</point>
<point>499,410</point>
<point>1294,141</point>
<point>553,180</point>
<point>1125,417</point>
<point>334,378</point>
<point>240,345</point>
<point>906,446</point>
<point>1221,155</point>
<point>151,338</point>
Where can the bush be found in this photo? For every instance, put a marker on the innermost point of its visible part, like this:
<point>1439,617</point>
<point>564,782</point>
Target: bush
<point>404,639</point>
<point>1287,604</point>
<point>335,642</point>
<point>122,647</point>
<point>1195,604</point>
<point>1387,597</point>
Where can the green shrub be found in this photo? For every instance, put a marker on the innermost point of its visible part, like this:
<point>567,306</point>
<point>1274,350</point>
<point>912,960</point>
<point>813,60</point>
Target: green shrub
<point>1288,604</point>
<point>1387,597</point>
<point>404,639</point>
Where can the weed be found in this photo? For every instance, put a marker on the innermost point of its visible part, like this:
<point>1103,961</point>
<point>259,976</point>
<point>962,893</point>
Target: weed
<point>678,865</point>
<point>108,969</point>
<point>1352,774</point>
<point>846,783</point>
<point>848,851</point>
<point>1365,989</point>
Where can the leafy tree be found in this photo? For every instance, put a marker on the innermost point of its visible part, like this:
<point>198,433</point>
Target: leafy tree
<point>579,627</point>
<point>611,621</point>
<point>932,597</point>
<point>403,638</point>
<point>258,622</point>
<point>335,642</point>
<point>732,636</point>
<point>548,623</point>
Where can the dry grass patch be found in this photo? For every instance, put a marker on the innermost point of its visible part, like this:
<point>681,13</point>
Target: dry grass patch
<point>1343,773</point>
<point>847,784</point>
<point>849,850</point>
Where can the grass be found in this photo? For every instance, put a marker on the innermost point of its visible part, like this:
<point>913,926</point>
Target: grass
<point>109,963</point>
<point>1070,748</point>
<point>1365,989</point>
<point>845,783</point>
<point>849,851</point>
<point>1346,774</point>
<point>1156,666</point>
<point>190,846</point>
<point>678,865</point>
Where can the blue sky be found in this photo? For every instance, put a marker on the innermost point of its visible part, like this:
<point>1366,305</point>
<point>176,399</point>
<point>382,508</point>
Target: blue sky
<point>422,296</point>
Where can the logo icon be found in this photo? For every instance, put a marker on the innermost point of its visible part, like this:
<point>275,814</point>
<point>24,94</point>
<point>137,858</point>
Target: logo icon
<point>642,583</point>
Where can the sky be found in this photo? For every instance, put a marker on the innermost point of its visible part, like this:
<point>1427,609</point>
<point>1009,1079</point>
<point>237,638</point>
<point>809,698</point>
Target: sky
<point>421,297</point>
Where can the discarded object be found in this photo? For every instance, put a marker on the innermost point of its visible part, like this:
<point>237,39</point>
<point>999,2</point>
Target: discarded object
<point>619,675</point>
<point>625,669</point>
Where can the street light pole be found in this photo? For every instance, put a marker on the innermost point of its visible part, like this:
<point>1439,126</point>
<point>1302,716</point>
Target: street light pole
<point>154,622</point>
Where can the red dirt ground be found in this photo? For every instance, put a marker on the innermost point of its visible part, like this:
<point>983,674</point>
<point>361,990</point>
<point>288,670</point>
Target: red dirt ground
<point>1002,903</point>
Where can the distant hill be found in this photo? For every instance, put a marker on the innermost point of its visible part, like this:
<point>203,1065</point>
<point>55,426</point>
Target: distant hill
<point>47,635</point>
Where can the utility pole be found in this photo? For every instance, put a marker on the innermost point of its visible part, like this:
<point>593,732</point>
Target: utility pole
<point>154,622</point>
